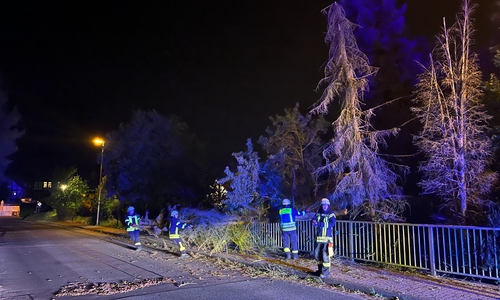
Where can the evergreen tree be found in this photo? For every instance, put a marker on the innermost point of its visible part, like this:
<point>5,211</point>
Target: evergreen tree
<point>242,194</point>
<point>454,134</point>
<point>362,179</point>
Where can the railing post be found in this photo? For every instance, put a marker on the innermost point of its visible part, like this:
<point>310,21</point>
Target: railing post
<point>351,241</point>
<point>432,261</point>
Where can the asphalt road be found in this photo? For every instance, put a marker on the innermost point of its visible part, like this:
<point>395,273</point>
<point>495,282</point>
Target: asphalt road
<point>42,261</point>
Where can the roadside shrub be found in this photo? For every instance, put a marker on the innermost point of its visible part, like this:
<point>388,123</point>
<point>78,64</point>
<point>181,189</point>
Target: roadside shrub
<point>111,222</point>
<point>50,216</point>
<point>83,220</point>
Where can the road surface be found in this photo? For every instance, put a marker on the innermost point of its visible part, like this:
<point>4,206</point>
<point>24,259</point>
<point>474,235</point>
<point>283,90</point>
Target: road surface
<point>44,261</point>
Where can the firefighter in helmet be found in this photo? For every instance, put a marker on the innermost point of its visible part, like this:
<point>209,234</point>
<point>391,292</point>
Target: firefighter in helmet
<point>175,226</point>
<point>132,222</point>
<point>324,222</point>
<point>289,229</point>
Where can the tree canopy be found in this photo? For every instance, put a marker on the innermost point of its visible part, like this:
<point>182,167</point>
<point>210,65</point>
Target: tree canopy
<point>357,176</point>
<point>154,160</point>
<point>293,145</point>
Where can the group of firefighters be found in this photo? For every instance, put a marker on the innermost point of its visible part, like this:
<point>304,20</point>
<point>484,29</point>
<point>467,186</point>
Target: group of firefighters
<point>323,221</point>
<point>132,221</point>
<point>324,224</point>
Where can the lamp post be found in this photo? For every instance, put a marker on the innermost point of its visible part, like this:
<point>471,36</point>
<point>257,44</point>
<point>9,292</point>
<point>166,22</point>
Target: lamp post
<point>99,142</point>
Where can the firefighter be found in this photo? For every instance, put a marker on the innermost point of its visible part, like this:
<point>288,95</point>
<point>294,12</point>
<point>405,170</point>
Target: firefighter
<point>289,229</point>
<point>132,222</point>
<point>324,222</point>
<point>175,226</point>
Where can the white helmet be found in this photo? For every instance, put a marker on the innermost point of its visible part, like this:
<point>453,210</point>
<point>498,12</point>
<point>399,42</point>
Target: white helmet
<point>286,201</point>
<point>174,213</point>
<point>130,208</point>
<point>325,201</point>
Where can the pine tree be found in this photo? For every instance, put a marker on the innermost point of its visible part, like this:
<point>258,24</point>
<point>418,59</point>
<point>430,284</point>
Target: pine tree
<point>362,178</point>
<point>454,134</point>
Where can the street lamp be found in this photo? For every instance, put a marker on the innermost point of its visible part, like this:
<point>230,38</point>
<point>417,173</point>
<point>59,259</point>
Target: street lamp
<point>99,142</point>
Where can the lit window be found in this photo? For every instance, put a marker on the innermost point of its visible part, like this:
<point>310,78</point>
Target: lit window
<point>47,184</point>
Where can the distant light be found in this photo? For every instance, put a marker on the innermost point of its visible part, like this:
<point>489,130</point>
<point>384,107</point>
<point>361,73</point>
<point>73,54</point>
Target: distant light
<point>98,141</point>
<point>63,187</point>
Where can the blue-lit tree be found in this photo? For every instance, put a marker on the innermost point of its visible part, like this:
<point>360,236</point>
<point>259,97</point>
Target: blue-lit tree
<point>454,134</point>
<point>362,179</point>
<point>9,133</point>
<point>293,143</point>
<point>242,192</point>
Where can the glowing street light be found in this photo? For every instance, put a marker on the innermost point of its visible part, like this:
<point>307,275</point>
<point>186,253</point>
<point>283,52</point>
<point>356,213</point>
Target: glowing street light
<point>99,142</point>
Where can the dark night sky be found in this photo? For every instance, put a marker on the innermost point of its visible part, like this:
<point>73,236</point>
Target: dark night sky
<point>77,69</point>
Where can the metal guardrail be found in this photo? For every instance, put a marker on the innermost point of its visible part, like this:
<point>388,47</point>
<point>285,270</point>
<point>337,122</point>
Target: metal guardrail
<point>459,250</point>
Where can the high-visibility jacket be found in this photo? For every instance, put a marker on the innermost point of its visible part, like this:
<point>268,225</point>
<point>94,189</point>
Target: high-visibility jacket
<point>287,218</point>
<point>132,222</point>
<point>175,225</point>
<point>325,222</point>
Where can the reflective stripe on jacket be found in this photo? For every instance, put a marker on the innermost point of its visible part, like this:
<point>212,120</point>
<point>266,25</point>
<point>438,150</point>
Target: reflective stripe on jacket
<point>287,218</point>
<point>132,222</point>
<point>325,224</point>
<point>175,225</point>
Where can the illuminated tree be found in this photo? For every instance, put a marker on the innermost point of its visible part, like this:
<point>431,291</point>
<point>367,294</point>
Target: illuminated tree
<point>454,134</point>
<point>362,179</point>
<point>293,145</point>
<point>242,195</point>
<point>68,201</point>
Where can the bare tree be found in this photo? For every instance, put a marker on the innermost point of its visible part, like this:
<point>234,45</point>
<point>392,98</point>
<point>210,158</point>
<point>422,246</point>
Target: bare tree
<point>363,179</point>
<point>454,134</point>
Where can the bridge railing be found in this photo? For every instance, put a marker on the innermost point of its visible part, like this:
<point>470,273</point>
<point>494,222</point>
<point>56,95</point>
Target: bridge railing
<point>459,250</point>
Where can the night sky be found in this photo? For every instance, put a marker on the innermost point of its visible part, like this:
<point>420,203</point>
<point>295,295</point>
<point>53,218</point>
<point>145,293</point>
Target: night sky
<point>77,69</point>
